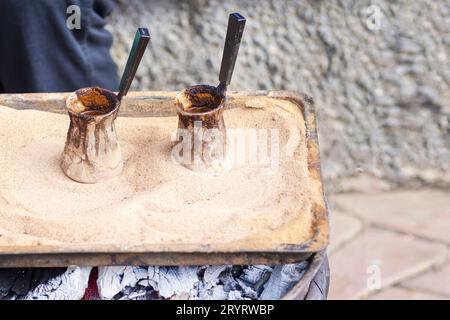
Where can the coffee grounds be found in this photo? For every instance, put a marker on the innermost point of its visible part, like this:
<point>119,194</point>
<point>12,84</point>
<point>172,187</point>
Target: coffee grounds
<point>94,99</point>
<point>199,98</point>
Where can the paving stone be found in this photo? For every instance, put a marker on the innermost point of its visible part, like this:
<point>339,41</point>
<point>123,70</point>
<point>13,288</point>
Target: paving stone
<point>436,281</point>
<point>396,293</point>
<point>424,213</point>
<point>343,229</point>
<point>377,254</point>
<point>364,183</point>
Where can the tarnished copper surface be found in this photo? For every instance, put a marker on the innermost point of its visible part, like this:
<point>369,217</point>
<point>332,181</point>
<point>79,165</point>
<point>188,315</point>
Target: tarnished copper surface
<point>200,114</point>
<point>97,100</point>
<point>92,153</point>
<point>142,259</point>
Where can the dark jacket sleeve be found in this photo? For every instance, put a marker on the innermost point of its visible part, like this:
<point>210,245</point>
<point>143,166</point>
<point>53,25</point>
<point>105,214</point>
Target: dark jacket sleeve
<point>40,53</point>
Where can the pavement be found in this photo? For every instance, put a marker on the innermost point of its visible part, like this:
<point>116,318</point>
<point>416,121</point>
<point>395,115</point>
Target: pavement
<point>389,244</point>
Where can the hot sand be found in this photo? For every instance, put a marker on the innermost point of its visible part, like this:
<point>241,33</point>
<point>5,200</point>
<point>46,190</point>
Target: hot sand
<point>156,204</point>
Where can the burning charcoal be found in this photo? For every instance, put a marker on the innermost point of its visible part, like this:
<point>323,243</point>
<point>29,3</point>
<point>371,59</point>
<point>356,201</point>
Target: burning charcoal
<point>259,286</point>
<point>212,273</point>
<point>140,273</point>
<point>211,291</point>
<point>7,279</point>
<point>209,287</point>
<point>10,296</point>
<point>256,276</point>
<point>113,280</point>
<point>18,282</point>
<point>180,296</point>
<point>169,281</point>
<point>282,279</point>
<point>134,294</point>
<point>236,295</point>
<point>247,291</point>
<point>22,283</point>
<point>253,274</point>
<point>203,282</point>
<point>144,283</point>
<point>42,275</point>
<point>149,294</point>
<point>70,285</point>
<point>236,271</point>
<point>127,291</point>
<point>228,281</point>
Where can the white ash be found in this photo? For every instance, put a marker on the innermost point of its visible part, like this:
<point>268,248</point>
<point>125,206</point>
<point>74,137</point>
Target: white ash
<point>212,273</point>
<point>70,285</point>
<point>225,282</point>
<point>169,281</point>
<point>257,276</point>
<point>236,295</point>
<point>282,279</point>
<point>112,280</point>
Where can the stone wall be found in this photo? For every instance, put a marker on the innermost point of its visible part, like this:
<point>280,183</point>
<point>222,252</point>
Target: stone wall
<point>382,95</point>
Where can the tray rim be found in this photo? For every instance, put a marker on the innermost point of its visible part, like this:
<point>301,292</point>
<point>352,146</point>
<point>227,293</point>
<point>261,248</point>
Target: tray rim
<point>287,253</point>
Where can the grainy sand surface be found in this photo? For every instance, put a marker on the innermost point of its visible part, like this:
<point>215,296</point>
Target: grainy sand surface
<point>156,204</point>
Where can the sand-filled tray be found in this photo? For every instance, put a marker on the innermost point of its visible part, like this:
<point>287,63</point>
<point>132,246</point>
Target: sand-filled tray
<point>262,210</point>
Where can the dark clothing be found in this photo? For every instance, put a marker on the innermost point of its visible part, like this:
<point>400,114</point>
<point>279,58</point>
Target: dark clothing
<point>39,53</point>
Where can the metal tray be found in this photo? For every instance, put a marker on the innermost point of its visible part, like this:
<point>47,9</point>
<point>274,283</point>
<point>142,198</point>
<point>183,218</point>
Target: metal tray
<point>160,104</point>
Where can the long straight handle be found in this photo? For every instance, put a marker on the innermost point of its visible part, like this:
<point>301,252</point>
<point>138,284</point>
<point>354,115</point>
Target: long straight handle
<point>140,42</point>
<point>236,23</point>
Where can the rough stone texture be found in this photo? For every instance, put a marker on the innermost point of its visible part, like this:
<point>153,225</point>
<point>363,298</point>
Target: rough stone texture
<point>379,255</point>
<point>364,183</point>
<point>424,213</point>
<point>382,96</point>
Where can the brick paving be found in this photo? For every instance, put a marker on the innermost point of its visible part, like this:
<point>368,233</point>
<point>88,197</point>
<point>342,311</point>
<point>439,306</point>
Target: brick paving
<point>389,244</point>
<point>399,293</point>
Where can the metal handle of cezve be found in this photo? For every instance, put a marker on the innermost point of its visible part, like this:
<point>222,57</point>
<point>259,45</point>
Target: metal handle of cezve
<point>236,23</point>
<point>140,42</point>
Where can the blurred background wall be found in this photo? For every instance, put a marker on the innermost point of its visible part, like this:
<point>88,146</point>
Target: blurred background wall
<point>381,87</point>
